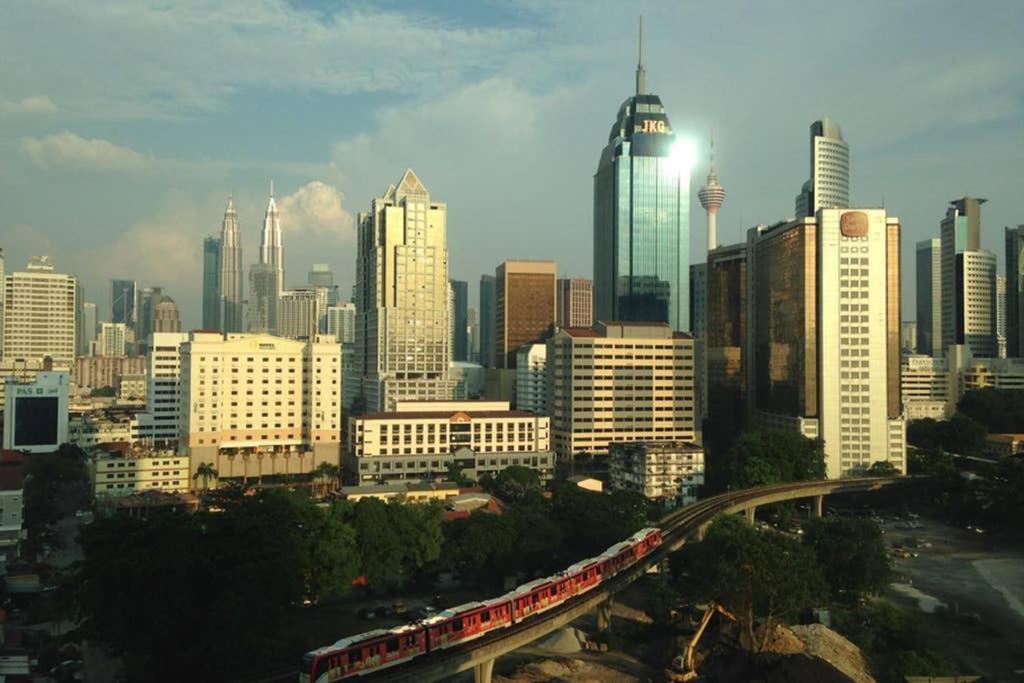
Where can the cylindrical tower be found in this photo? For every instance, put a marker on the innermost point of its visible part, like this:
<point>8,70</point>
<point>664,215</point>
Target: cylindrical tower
<point>711,197</point>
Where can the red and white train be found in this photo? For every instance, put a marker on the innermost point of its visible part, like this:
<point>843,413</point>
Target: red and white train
<point>375,650</point>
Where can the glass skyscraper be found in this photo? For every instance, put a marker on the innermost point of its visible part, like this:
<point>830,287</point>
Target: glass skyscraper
<point>211,283</point>
<point>642,218</point>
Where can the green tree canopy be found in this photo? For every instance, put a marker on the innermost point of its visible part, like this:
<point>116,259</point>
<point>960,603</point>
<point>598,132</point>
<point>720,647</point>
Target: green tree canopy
<point>593,521</point>
<point>1000,411</point>
<point>768,457</point>
<point>759,577</point>
<point>851,553</point>
<point>961,434</point>
<point>396,540</point>
<point>515,483</point>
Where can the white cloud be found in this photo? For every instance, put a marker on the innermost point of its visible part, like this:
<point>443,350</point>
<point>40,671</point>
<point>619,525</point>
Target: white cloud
<point>40,104</point>
<point>69,151</point>
<point>316,208</point>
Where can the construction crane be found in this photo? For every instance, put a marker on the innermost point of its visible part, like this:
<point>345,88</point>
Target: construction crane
<point>682,666</point>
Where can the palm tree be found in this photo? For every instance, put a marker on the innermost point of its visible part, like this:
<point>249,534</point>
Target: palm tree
<point>326,473</point>
<point>206,471</point>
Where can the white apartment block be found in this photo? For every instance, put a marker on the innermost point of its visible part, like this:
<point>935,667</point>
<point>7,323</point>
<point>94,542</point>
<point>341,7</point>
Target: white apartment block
<point>113,340</point>
<point>620,382</point>
<point>158,425</point>
<point>341,322</point>
<point>531,378</point>
<point>925,387</point>
<point>255,405</point>
<point>575,302</point>
<point>117,474</point>
<point>421,439</point>
<point>299,311</point>
<point>39,314</point>
<point>659,470</point>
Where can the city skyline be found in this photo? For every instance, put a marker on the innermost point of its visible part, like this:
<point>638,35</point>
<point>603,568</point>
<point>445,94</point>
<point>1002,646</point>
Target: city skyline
<point>143,177</point>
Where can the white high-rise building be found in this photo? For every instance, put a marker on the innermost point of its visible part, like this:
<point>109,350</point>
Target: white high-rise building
<point>531,378</point>
<point>158,425</point>
<point>298,312</point>
<point>88,328</point>
<point>271,249</point>
<point>39,314</point>
<point>402,341</point>
<point>829,186</point>
<point>1001,315</point>
<point>230,280</point>
<point>968,281</point>
<point>113,338</point>
<point>341,322</point>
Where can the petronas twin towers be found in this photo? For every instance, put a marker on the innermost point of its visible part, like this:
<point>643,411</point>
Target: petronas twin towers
<point>266,278</point>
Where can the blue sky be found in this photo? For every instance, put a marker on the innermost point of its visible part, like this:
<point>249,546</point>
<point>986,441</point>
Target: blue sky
<point>123,126</point>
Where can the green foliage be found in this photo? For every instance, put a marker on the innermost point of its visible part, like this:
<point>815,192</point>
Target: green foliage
<point>961,434</point>
<point>851,553</point>
<point>456,476</point>
<point>226,578</point>
<point>891,639</point>
<point>56,484</point>
<point>756,576</point>
<point>593,521</point>
<point>882,468</point>
<point>396,540</point>
<point>103,392</point>
<point>515,483</point>
<point>768,457</point>
<point>1000,411</point>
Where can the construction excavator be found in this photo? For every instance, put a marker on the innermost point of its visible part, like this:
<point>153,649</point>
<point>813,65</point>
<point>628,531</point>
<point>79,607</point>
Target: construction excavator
<point>682,666</point>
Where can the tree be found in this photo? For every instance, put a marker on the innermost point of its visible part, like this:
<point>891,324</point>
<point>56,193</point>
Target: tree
<point>515,483</point>
<point>851,553</point>
<point>768,457</point>
<point>396,540</point>
<point>999,411</point>
<point>455,474</point>
<point>882,468</point>
<point>206,471</point>
<point>593,521</point>
<point>105,392</point>
<point>327,473</point>
<point>759,577</point>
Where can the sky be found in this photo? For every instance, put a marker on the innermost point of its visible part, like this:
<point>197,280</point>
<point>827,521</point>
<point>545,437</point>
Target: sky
<point>124,127</point>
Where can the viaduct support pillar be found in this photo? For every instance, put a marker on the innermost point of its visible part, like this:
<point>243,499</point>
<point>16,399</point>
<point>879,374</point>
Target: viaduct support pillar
<point>819,503</point>
<point>749,512</point>
<point>604,616</point>
<point>483,671</point>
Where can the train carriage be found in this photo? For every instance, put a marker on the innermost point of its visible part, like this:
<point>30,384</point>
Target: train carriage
<point>466,622</point>
<point>363,654</point>
<point>645,540</point>
<point>584,575</point>
<point>540,595</point>
<point>616,558</point>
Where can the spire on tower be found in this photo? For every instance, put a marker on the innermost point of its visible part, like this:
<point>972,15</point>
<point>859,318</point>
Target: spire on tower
<point>641,75</point>
<point>271,188</point>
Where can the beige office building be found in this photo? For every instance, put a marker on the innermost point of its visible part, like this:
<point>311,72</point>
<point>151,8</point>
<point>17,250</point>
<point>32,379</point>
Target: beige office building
<point>135,471</point>
<point>824,334</point>
<point>575,302</point>
<point>39,314</point>
<point>402,339</point>
<point>620,382</point>
<point>924,387</point>
<point>420,440</point>
<point>299,311</point>
<point>254,405</point>
<point>93,372</point>
<point>525,307</point>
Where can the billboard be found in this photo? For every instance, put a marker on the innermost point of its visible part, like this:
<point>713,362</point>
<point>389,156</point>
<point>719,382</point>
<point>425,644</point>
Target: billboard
<point>35,421</point>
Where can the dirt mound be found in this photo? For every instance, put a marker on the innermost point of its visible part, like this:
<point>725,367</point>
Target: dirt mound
<point>825,644</point>
<point>566,671</point>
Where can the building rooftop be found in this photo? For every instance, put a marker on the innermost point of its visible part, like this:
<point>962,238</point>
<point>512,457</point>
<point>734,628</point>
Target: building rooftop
<point>426,414</point>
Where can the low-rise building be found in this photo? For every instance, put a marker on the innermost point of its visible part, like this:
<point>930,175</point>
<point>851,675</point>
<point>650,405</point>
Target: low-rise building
<point>409,492</point>
<point>663,470</point>
<point>95,372</point>
<point>132,387</point>
<point>124,471</point>
<point>925,389</point>
<point>1005,444</point>
<point>12,504</point>
<point>931,387</point>
<point>423,440</point>
<point>88,429</point>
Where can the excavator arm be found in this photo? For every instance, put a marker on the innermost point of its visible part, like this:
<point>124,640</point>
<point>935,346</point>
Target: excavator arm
<point>687,671</point>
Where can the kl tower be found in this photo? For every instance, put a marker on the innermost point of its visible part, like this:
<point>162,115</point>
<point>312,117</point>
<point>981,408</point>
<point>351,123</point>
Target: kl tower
<point>711,197</point>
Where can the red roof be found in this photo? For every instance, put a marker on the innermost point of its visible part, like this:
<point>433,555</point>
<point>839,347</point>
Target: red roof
<point>12,471</point>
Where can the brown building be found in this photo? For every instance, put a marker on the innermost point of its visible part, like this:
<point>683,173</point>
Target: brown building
<point>525,307</point>
<point>726,335</point>
<point>94,372</point>
<point>575,302</point>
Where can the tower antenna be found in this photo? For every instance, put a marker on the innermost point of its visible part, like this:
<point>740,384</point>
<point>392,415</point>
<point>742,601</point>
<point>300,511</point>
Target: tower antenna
<point>641,75</point>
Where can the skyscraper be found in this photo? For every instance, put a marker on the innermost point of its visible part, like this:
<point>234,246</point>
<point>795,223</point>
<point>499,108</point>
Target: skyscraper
<point>1001,315</point>
<point>148,300</point>
<point>699,329</point>
<point>824,341</point>
<point>460,334</point>
<point>298,312</point>
<point>968,281</point>
<point>341,322</point>
<point>711,197</point>
<point>402,348</point>
<point>575,302</point>
<point>271,250</point>
<point>487,306</point>
<point>211,283</point>
<point>929,297</point>
<point>3,289</point>
<point>829,186</point>
<point>113,339</point>
<point>123,299</point>
<point>165,317</point>
<point>524,307</point>
<point>39,314</point>
<point>89,321</point>
<point>262,313</point>
<point>322,276</point>
<point>230,280</point>
<point>641,216</point>
<point>1014,290</point>
<point>726,336</point>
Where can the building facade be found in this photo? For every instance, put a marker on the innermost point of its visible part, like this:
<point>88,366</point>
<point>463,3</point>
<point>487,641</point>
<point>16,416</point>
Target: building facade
<point>257,405</point>
<point>829,185</point>
<point>460,320</point>
<point>575,307</point>
<point>166,317</point>
<point>929,297</point>
<point>230,279</point>
<point>403,347</point>
<point>968,280</point>
<point>323,277</point>
<point>113,341</point>
<point>726,337</point>
<point>124,297</point>
<point>525,307</point>
<point>158,424</point>
<point>134,471</point>
<point>341,322</point>
<point>1014,290</point>
<point>618,382</point>
<point>93,372</point>
<point>925,388</point>
<point>211,283</point>
<point>39,314</point>
<point>272,251</point>
<point>824,346</point>
<point>36,412</point>
<point>422,440</point>
<point>531,378</point>
<point>1001,316</point>
<point>487,312</point>
<point>641,217</point>
<point>299,311</point>
<point>659,470</point>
